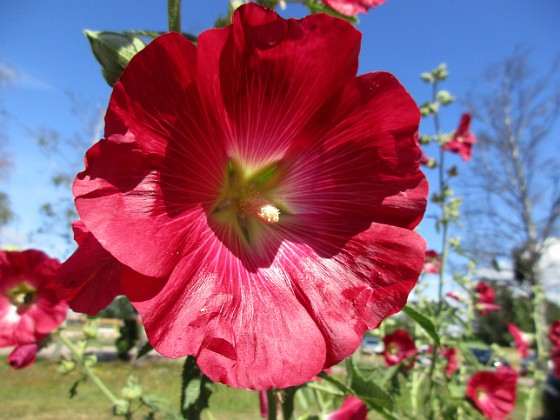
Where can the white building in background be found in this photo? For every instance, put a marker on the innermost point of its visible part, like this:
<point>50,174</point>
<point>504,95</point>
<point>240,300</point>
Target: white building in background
<point>549,268</point>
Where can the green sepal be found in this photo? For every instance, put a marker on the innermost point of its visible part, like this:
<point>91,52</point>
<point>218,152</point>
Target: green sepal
<point>114,51</point>
<point>316,6</point>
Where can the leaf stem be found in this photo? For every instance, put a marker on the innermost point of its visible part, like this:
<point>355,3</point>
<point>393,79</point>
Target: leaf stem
<point>174,15</point>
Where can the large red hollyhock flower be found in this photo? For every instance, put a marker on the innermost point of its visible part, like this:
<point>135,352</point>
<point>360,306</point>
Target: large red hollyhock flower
<point>493,393</point>
<point>399,346</point>
<point>29,305</point>
<point>554,333</point>
<point>352,7</point>
<point>462,140</point>
<point>351,409</point>
<point>521,343</point>
<point>91,278</point>
<point>271,190</point>
<point>432,262</point>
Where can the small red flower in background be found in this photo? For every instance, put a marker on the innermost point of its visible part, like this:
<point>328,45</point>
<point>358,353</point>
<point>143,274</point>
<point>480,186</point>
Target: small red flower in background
<point>450,353</point>
<point>432,262</point>
<point>399,346</point>
<point>485,298</point>
<point>521,342</point>
<point>260,189</point>
<point>555,359</point>
<point>352,409</point>
<point>352,7</point>
<point>29,306</point>
<point>493,393</point>
<point>454,296</point>
<point>554,333</point>
<point>462,140</point>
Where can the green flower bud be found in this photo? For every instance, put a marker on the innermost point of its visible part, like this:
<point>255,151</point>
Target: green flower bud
<point>425,139</point>
<point>90,360</point>
<point>132,390</point>
<point>440,73</point>
<point>121,408</point>
<point>444,97</point>
<point>66,366</point>
<point>113,51</point>
<point>427,77</point>
<point>91,330</point>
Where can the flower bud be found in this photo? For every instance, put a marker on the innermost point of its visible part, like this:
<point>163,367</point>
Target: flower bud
<point>90,360</point>
<point>113,51</point>
<point>444,97</point>
<point>132,390</point>
<point>121,408</point>
<point>427,77</point>
<point>440,73</point>
<point>91,330</point>
<point>66,366</point>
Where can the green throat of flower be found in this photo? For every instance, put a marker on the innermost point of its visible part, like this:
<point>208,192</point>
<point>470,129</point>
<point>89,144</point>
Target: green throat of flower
<point>22,296</point>
<point>247,200</point>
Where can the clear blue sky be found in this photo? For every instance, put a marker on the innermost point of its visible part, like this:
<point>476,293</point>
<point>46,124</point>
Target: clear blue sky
<point>43,41</point>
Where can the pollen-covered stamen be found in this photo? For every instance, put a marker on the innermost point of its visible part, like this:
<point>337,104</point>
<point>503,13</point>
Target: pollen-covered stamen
<point>22,296</point>
<point>261,208</point>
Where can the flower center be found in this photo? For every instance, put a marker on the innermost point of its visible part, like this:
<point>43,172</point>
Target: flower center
<point>247,199</point>
<point>22,296</point>
<point>481,394</point>
<point>393,349</point>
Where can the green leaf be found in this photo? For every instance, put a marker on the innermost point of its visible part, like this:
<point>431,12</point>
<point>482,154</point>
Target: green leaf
<point>370,392</point>
<point>146,348</point>
<point>196,390</point>
<point>424,322</point>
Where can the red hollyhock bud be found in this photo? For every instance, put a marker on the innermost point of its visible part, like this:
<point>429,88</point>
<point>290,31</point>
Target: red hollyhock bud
<point>265,195</point>
<point>432,262</point>
<point>521,342</point>
<point>399,346</point>
<point>554,334</point>
<point>454,296</point>
<point>462,140</point>
<point>493,393</point>
<point>352,7</point>
<point>23,355</point>
<point>29,305</point>
<point>352,409</point>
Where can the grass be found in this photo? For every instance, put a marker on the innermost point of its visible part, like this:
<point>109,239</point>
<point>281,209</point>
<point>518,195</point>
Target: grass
<point>41,392</point>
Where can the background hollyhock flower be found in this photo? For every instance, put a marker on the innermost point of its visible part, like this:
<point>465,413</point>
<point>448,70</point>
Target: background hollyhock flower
<point>493,393</point>
<point>485,298</point>
<point>271,230</point>
<point>554,333</point>
<point>521,342</point>
<point>432,262</point>
<point>462,140</point>
<point>484,293</point>
<point>399,346</point>
<point>23,355</point>
<point>352,7</point>
<point>450,354</point>
<point>29,305</point>
<point>555,359</point>
<point>454,296</point>
<point>352,409</point>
